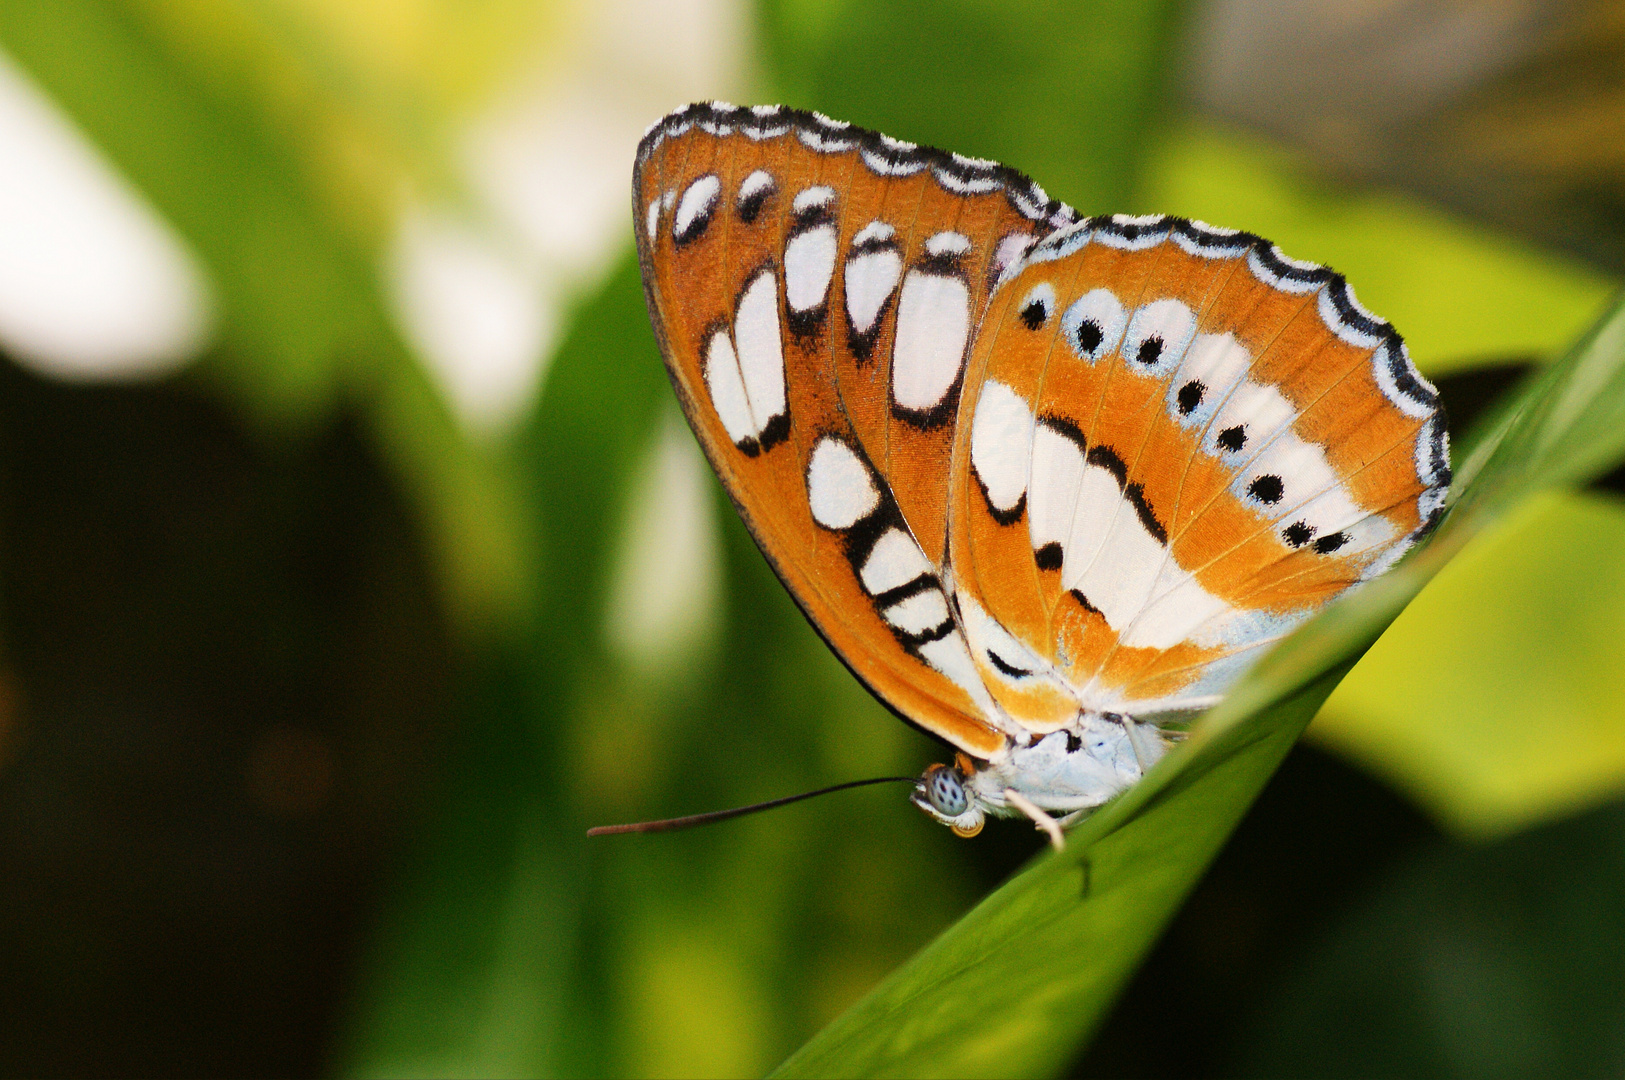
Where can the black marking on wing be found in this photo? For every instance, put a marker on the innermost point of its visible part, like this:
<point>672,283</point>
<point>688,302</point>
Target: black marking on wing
<point>1331,542</point>
<point>1107,459</point>
<point>1267,489</point>
<point>1190,396</point>
<point>1008,669</point>
<point>750,207</point>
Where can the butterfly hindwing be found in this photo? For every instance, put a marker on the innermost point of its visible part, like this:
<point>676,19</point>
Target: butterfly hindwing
<point>1214,441</point>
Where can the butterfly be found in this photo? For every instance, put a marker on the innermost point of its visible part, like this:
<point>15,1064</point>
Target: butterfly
<point>1042,482</point>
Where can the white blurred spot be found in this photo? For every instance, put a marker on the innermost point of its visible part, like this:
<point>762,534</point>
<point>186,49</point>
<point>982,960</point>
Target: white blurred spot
<point>550,162</point>
<point>93,284</point>
<point>662,604</point>
<point>475,311</point>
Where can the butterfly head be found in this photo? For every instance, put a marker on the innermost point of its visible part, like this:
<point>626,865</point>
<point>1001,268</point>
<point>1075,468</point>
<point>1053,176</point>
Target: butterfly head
<point>945,793</point>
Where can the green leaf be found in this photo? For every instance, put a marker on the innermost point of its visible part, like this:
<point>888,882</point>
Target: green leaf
<point>1019,983</point>
<point>1494,701</point>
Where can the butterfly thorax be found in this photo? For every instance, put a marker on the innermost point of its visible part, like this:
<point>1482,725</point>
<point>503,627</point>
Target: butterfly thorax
<point>1084,765</point>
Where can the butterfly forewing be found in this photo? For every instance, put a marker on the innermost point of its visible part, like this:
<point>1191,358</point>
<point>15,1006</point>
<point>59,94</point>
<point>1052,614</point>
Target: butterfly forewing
<point>815,288</point>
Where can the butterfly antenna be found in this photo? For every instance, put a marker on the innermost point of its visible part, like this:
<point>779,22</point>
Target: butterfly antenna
<point>670,824</point>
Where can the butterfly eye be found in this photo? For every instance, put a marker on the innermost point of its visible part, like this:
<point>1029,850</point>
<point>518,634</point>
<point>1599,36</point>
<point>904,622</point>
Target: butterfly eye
<point>946,790</point>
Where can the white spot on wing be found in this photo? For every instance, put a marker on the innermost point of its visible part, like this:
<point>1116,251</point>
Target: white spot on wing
<point>933,324</point>
<point>1160,332</point>
<point>809,262</point>
<point>1057,470</point>
<point>839,487</point>
<point>947,243</point>
<point>988,636</point>
<point>925,610</point>
<point>761,349</point>
<point>1218,362</point>
<point>874,232</point>
<point>653,217</point>
<point>808,198</point>
<point>1110,557</point>
<point>1042,294</point>
<point>950,656</point>
<point>1001,444</point>
<point>870,279</point>
<point>754,184</point>
<point>1102,311</point>
<point>1180,608</point>
<point>1124,571</point>
<point>1258,410</point>
<point>696,205</point>
<point>727,389</point>
<point>894,560</point>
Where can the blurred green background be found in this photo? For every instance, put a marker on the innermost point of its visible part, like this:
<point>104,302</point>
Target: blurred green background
<point>354,557</point>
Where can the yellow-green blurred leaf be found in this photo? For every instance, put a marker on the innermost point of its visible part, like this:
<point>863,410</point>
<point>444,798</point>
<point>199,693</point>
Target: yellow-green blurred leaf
<point>1458,291</point>
<point>1495,700</point>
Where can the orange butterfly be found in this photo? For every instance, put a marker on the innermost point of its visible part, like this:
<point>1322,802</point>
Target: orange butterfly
<point>1033,478</point>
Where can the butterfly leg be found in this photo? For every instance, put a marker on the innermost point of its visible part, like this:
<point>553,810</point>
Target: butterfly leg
<point>1141,755</point>
<point>1048,824</point>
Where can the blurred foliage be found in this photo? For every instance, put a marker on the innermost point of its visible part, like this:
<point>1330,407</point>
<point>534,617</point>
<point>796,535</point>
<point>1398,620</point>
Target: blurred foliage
<point>1461,293</point>
<point>244,174</point>
<point>1495,699</point>
<point>1499,961</point>
<point>278,136</point>
<point>1508,110</point>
